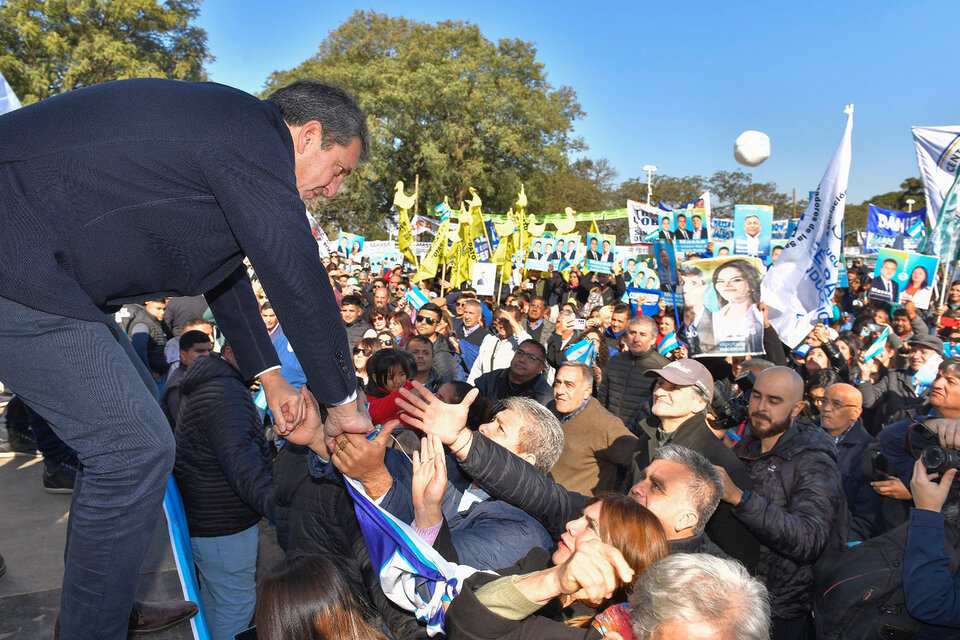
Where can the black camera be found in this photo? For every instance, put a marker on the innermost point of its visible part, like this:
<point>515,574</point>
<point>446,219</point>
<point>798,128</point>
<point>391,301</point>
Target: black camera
<point>731,412</point>
<point>937,459</point>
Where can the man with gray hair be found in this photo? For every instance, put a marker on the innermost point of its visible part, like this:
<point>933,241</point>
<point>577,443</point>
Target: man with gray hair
<point>487,533</point>
<point>680,487</point>
<point>596,444</point>
<point>625,391</point>
<point>692,595</point>
<point>681,396</point>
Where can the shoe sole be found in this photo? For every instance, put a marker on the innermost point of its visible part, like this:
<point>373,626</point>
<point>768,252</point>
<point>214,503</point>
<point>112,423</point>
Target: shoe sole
<point>59,490</point>
<point>137,632</point>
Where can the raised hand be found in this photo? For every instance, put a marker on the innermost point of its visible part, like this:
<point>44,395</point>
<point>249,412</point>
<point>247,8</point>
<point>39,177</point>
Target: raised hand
<point>429,481</point>
<point>593,572</point>
<point>431,415</point>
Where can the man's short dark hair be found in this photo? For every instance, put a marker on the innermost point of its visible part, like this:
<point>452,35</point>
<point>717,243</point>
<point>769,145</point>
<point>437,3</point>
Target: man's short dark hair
<point>901,312</point>
<point>895,263</point>
<point>621,307</point>
<point>266,306</point>
<point>336,110</point>
<point>540,298</point>
<point>535,343</point>
<point>433,308</point>
<point>356,301</point>
<point>423,339</point>
<point>190,338</point>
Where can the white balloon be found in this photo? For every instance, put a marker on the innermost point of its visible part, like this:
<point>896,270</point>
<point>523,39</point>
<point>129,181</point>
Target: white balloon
<point>751,148</point>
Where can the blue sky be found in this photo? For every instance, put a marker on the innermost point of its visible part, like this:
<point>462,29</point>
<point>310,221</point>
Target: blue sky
<point>673,83</point>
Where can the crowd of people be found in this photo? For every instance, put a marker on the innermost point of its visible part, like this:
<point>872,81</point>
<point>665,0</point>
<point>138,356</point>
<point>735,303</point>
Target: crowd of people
<point>620,491</point>
<point>591,494</point>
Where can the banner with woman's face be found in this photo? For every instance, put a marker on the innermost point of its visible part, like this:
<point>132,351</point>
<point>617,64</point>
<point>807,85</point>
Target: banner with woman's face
<point>720,314</point>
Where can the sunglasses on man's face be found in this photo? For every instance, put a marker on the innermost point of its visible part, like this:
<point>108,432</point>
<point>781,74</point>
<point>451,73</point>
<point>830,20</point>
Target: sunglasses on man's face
<point>429,321</point>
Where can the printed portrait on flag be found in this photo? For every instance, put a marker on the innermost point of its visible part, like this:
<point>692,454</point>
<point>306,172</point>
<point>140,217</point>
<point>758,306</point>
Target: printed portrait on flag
<point>752,229</point>
<point>690,233</point>
<point>564,254</point>
<point>720,313</point>
<point>538,259</point>
<point>918,285</point>
<point>350,246</point>
<point>665,229</point>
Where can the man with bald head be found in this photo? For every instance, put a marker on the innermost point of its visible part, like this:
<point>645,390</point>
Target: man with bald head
<point>840,418</point>
<point>797,507</point>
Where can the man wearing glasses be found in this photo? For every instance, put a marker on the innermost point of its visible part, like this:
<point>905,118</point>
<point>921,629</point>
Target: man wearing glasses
<point>524,376</point>
<point>445,358</point>
<point>840,410</point>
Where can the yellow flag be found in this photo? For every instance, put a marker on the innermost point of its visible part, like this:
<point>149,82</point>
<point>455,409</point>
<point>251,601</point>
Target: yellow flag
<point>430,262</point>
<point>405,237</point>
<point>593,227</point>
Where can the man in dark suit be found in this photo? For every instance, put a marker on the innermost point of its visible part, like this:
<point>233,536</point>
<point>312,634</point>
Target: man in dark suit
<point>142,189</point>
<point>681,233</point>
<point>884,287</point>
<point>699,231</point>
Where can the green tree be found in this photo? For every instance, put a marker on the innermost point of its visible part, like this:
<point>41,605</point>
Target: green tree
<point>444,103</point>
<point>855,215</point>
<point>51,46</point>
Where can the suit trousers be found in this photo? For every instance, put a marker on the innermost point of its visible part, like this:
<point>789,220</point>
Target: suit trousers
<point>86,380</point>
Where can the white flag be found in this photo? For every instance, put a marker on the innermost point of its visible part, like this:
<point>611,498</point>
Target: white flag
<point>798,288</point>
<point>938,154</point>
<point>8,99</point>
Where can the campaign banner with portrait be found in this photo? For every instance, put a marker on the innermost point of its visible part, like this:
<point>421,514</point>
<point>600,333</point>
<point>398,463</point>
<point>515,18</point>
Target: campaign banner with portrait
<point>722,249</point>
<point>643,220</point>
<point>483,278</point>
<point>721,229</point>
<point>538,258</point>
<point>720,298</point>
<point>564,254</point>
<point>643,301</point>
<point>904,276</point>
<point>350,246</point>
<point>600,255</point>
<point>752,229</point>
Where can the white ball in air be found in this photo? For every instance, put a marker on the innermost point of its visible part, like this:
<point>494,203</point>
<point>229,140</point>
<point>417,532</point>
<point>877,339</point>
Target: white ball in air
<point>751,148</point>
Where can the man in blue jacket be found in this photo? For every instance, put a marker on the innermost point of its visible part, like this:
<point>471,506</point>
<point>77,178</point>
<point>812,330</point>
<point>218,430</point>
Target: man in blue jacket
<point>142,189</point>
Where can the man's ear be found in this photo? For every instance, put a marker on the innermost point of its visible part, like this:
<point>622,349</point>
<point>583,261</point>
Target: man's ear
<point>310,133</point>
<point>686,520</point>
<point>797,409</point>
<point>529,457</point>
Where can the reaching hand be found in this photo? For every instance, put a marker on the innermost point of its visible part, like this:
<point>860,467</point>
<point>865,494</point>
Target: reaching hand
<point>362,459</point>
<point>732,494</point>
<point>892,488</point>
<point>927,493</point>
<point>431,415</point>
<point>429,481</point>
<point>591,572</point>
<point>310,431</point>
<point>349,418</point>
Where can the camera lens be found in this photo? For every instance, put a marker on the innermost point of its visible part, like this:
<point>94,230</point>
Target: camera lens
<point>933,459</point>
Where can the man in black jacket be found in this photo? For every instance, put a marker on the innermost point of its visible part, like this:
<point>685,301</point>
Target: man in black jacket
<point>147,188</point>
<point>796,508</point>
<point>680,399</point>
<point>624,390</point>
<point>223,473</point>
<point>524,376</point>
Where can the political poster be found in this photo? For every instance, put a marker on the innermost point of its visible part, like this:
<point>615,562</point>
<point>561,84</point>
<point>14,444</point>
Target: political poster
<point>776,248</point>
<point>643,301</point>
<point>690,230</point>
<point>538,258</point>
<point>643,220</point>
<point>564,254</point>
<point>666,263</point>
<point>904,276</point>
<point>350,246</point>
<point>752,229</point>
<point>722,249</point>
<point>721,229</point>
<point>720,313</point>
<point>600,255</point>
<point>484,274</point>
<point>886,226</point>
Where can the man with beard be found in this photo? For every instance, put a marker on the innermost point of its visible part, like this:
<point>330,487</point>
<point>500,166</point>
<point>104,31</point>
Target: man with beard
<point>796,507</point>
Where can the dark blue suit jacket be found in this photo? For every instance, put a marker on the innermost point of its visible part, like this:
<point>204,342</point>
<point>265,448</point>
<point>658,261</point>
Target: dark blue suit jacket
<point>137,189</point>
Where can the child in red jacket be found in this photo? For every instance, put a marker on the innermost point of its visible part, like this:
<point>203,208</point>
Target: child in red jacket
<point>389,371</point>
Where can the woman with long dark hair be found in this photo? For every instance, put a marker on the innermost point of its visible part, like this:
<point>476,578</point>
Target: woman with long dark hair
<point>305,598</point>
<point>738,325</point>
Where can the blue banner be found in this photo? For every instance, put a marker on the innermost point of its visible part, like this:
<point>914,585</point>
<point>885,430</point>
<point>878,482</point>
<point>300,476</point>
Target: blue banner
<point>884,226</point>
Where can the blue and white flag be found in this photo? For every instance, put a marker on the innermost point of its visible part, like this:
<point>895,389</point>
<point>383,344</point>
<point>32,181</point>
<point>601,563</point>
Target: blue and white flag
<point>668,344</point>
<point>877,347</point>
<point>412,573</point>
<point>916,229</point>
<point>938,156</point>
<point>923,378</point>
<point>8,99</point>
<point>584,351</point>
<point>416,297</point>
<point>798,288</point>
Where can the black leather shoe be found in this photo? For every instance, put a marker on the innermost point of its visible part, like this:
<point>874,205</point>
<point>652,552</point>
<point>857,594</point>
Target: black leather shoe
<point>146,617</point>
